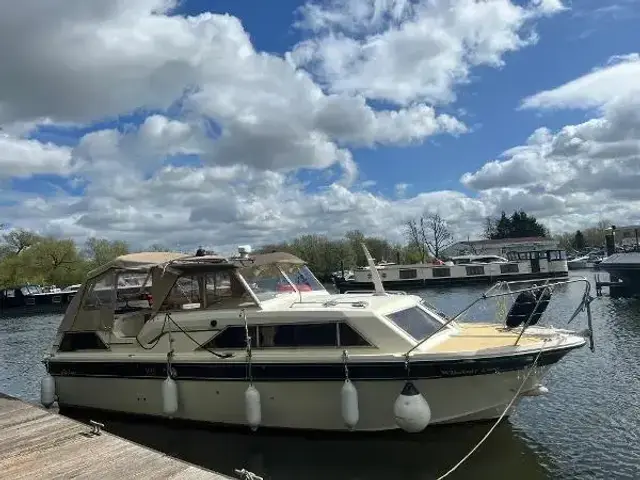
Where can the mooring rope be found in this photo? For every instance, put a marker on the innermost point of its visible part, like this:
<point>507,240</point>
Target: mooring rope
<point>482,440</point>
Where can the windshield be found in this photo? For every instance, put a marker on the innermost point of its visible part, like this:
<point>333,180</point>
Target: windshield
<point>266,281</point>
<point>302,277</point>
<point>415,322</point>
<point>31,289</point>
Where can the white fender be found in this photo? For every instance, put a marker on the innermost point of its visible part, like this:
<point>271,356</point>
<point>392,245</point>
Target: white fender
<point>350,411</point>
<point>252,407</point>
<point>411,410</point>
<point>169,396</point>
<point>47,390</point>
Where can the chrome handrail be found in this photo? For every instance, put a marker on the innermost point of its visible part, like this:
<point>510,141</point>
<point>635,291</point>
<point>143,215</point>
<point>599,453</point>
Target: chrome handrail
<point>585,303</point>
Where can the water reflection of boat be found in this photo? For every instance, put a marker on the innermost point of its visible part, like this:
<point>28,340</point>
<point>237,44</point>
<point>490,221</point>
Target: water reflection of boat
<point>384,455</point>
<point>257,340</point>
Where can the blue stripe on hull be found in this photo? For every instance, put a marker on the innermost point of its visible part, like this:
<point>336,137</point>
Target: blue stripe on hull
<point>388,370</point>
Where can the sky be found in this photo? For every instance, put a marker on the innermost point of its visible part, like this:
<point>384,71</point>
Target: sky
<point>232,122</point>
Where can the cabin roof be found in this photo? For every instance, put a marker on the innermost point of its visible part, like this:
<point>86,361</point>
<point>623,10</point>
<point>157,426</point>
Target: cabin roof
<point>267,258</point>
<point>137,260</point>
<point>148,260</point>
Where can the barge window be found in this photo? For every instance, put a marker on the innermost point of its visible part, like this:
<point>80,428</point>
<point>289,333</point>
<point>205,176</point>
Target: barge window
<point>331,334</point>
<point>407,273</point>
<point>509,268</point>
<point>416,322</point>
<point>441,272</point>
<point>475,270</point>
<point>73,341</point>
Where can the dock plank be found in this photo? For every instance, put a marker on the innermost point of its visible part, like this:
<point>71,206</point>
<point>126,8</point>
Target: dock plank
<point>38,444</point>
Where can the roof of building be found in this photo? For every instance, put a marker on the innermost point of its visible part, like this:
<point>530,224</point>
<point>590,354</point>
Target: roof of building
<point>506,240</point>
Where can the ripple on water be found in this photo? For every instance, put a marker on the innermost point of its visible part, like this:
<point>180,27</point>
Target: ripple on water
<point>587,427</point>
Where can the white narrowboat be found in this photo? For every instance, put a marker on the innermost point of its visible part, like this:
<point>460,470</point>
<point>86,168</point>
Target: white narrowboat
<point>463,269</point>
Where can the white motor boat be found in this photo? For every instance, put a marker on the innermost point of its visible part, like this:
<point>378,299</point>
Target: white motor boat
<point>256,340</point>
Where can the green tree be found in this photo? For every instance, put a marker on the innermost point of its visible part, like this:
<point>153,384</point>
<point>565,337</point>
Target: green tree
<point>57,261</point>
<point>100,251</point>
<point>518,225</point>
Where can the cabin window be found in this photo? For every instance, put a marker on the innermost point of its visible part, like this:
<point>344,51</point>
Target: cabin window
<point>407,273</point>
<point>219,285</point>
<point>509,268</point>
<point>305,335</point>
<point>10,293</point>
<point>302,277</point>
<point>185,291</point>
<point>348,337</point>
<point>131,280</point>
<point>232,337</point>
<point>210,290</point>
<point>290,336</point>
<point>73,341</point>
<point>416,322</point>
<point>556,255</point>
<point>475,270</point>
<point>101,293</point>
<point>441,272</point>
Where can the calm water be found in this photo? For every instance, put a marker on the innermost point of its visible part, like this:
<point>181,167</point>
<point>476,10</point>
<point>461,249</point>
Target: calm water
<point>587,427</point>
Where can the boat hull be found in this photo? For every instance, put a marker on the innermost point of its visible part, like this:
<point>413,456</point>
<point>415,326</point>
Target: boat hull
<point>349,285</point>
<point>577,265</point>
<point>305,405</point>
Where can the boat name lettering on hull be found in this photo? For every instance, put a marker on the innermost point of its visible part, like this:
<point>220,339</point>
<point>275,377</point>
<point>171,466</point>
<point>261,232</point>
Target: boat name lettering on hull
<point>468,371</point>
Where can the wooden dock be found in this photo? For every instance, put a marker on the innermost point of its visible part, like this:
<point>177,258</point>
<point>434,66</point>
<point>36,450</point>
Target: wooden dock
<point>39,444</point>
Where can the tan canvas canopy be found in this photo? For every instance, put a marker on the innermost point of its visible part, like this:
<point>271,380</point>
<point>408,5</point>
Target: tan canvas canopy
<point>165,268</point>
<point>140,260</point>
<point>268,258</point>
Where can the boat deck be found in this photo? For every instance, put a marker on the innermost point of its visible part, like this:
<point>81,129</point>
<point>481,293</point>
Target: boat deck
<point>39,444</point>
<point>483,336</point>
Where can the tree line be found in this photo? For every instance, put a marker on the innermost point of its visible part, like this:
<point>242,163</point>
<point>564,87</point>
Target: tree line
<point>592,237</point>
<point>29,258</point>
<point>26,257</point>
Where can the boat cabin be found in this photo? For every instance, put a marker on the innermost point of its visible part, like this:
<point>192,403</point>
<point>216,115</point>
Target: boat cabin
<point>134,288</point>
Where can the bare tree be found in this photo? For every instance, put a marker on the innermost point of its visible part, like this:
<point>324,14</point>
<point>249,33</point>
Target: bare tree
<point>429,234</point>
<point>416,231</point>
<point>489,228</point>
<point>16,241</point>
<point>438,236</point>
